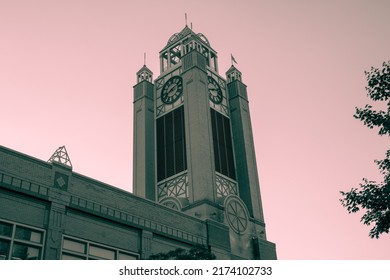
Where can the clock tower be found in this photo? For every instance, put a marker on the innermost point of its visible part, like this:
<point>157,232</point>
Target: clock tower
<point>193,143</point>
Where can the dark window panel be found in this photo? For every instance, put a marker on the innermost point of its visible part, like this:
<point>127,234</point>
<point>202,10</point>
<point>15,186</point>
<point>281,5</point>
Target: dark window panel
<point>28,234</point>
<point>169,144</point>
<point>222,141</point>
<point>222,144</point>
<point>215,141</point>
<point>25,252</point>
<point>229,149</point>
<point>171,150</point>
<point>184,139</point>
<point>160,149</point>
<point>178,131</point>
<point>5,229</point>
<point>4,249</point>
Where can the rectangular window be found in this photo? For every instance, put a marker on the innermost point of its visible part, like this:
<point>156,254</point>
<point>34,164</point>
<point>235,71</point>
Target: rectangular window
<point>25,252</point>
<point>28,234</point>
<point>171,149</point>
<point>4,249</point>
<point>20,242</point>
<point>79,249</point>
<point>169,145</point>
<point>223,148</point>
<point>66,256</point>
<point>161,173</point>
<point>101,253</point>
<point>5,229</point>
<point>124,256</point>
<point>74,246</point>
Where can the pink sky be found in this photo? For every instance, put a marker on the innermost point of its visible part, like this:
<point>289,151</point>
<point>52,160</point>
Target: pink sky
<point>67,70</point>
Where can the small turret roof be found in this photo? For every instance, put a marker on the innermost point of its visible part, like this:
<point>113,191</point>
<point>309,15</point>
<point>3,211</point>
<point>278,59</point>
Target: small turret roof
<point>144,69</point>
<point>232,68</point>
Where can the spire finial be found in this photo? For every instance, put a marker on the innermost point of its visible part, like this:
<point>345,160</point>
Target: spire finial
<point>144,58</point>
<point>185,15</point>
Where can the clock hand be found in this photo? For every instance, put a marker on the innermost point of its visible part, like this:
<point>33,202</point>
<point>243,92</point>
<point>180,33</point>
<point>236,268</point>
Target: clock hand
<point>174,88</point>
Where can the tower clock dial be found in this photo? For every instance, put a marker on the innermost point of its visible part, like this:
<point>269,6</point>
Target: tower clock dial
<point>215,91</point>
<point>172,90</point>
<point>236,214</point>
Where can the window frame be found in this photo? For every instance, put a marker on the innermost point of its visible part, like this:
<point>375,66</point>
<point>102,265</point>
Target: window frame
<point>88,244</point>
<point>14,241</point>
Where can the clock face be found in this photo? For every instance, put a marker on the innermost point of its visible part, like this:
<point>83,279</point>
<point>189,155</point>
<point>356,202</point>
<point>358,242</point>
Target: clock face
<point>236,214</point>
<point>215,91</point>
<point>172,90</point>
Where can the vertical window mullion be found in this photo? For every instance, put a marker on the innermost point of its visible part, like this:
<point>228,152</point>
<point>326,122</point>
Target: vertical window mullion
<point>87,252</point>
<point>11,245</point>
